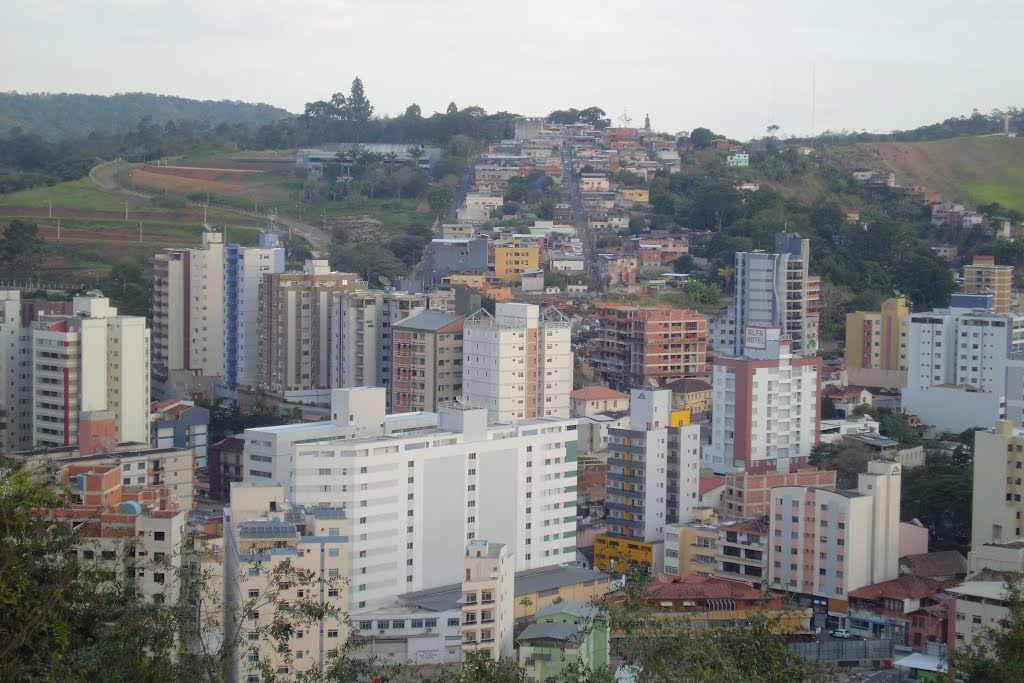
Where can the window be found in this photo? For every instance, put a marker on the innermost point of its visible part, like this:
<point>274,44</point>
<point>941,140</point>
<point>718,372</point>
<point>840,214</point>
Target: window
<point>333,552</point>
<point>254,635</point>
<point>158,535</point>
<point>253,593</point>
<point>332,633</point>
<point>158,578</point>
<point>976,619</point>
<point>453,621</point>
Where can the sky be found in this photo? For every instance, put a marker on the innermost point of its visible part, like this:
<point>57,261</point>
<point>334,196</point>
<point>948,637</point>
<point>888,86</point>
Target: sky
<point>735,66</point>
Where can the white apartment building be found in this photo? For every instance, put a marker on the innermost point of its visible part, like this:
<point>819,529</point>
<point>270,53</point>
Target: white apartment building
<point>188,316</point>
<point>418,486</point>
<point>361,336</point>
<point>826,543</point>
<point>244,268</point>
<point>488,599</point>
<point>518,363</point>
<point>91,361</point>
<point>15,375</point>
<point>960,361</point>
<point>766,406</point>
<point>262,531</point>
<point>997,505</point>
<point>777,290</point>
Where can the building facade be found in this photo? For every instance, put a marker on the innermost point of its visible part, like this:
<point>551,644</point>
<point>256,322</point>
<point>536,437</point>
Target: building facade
<point>295,327</point>
<point>996,505</point>
<point>877,345</point>
<point>777,290</point>
<point>426,361</point>
<point>766,406</point>
<point>244,268</point>
<point>488,600</point>
<point>510,261</point>
<point>518,363</point>
<point>983,276</point>
<point>91,361</point>
<point>640,345</point>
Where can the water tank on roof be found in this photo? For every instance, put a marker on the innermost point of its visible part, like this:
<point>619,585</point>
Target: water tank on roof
<point>130,507</point>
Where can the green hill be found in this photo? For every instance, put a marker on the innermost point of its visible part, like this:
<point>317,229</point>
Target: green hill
<point>57,116</point>
<point>978,170</point>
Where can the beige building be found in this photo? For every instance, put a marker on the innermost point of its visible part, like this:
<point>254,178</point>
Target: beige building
<point>977,605</point>
<point>729,549</point>
<point>188,315</point>
<point>277,553</point>
<point>877,345</point>
<point>488,598</point>
<point>997,504</point>
<point>426,361</point>
<point>694,395</point>
<point>595,400</point>
<point>295,327</point>
<point>983,276</point>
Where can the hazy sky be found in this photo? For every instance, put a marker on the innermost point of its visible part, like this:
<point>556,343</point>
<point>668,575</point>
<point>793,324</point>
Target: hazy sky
<point>732,65</point>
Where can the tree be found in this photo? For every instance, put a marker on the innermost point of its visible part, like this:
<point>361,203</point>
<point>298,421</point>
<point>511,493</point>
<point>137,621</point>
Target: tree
<point>452,109</point>
<point>772,130</point>
<point>413,111</point>
<point>368,260</point>
<point>940,494</point>
<point>701,138</point>
<point>440,199</point>
<point>997,655</point>
<point>637,225</point>
<point>21,248</point>
<point>359,109</point>
<point>408,248</point>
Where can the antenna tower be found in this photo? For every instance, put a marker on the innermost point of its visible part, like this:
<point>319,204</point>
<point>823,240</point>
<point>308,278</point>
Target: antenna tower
<point>624,119</point>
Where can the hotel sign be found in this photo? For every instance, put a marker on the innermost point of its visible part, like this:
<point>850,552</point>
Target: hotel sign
<point>755,337</point>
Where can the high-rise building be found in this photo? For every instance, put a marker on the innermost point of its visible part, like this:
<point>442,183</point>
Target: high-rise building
<point>176,423</point>
<point>777,290</point>
<point>998,465</point>
<point>518,362</point>
<point>826,543</point>
<point>640,346</point>
<point>766,408</point>
<point>263,532</point>
<point>188,317</point>
<point>418,486</point>
<point>426,370</point>
<point>653,472</point>
<point>16,316</point>
<point>295,327</point>
<point>244,268</point>
<point>961,367</point>
<point>362,336</point>
<point>92,361</point>
<point>877,345</point>
<point>983,276</point>
<point>488,600</point>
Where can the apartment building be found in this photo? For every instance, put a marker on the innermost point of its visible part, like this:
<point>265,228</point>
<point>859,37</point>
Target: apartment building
<point>518,363</point>
<point>597,399</point>
<point>16,316</point>
<point>513,259</point>
<point>277,553</point>
<point>178,423</point>
<point>735,549</point>
<point>244,268</point>
<point>997,505</point>
<point>962,365</point>
<point>826,543</point>
<point>418,486</point>
<point>877,345</point>
<point>188,317</point>
<point>748,494</point>
<point>447,256</point>
<point>977,605</point>
<point>766,407</point>
<point>426,361</point>
<point>777,290</point>
<point>135,530</point>
<point>362,337</point>
<point>488,599</point>
<point>638,346</point>
<point>295,327</point>
<point>93,360</point>
<point>652,480</point>
<point>983,276</point>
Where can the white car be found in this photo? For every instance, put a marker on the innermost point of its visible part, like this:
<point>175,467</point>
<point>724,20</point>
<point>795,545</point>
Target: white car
<point>841,633</point>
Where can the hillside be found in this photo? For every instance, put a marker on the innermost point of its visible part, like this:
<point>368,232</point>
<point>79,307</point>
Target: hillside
<point>63,115</point>
<point>977,170</point>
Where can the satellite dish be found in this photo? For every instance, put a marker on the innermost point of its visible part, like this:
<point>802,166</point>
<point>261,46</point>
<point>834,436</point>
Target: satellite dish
<point>652,382</point>
<point>384,281</point>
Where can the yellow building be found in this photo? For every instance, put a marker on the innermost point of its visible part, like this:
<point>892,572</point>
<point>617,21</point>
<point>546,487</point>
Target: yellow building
<point>612,553</point>
<point>511,260</point>
<point>983,276</point>
<point>483,284</point>
<point>536,589</point>
<point>635,194</point>
<point>876,345</point>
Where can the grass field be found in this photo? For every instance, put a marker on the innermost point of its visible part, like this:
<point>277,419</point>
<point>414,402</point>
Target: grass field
<point>975,169</point>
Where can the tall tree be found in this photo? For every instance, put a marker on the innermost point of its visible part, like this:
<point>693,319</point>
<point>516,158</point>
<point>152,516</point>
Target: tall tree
<point>440,199</point>
<point>452,109</point>
<point>359,108</point>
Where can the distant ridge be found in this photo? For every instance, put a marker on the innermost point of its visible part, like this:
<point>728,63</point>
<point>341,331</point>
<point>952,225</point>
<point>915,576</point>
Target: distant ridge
<point>57,116</point>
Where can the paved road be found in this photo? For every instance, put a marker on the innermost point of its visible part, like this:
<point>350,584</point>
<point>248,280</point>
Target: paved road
<point>593,268</point>
<point>105,176</point>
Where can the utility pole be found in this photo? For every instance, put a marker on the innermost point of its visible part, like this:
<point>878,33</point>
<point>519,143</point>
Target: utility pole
<point>126,210</point>
<point>58,229</point>
<point>140,231</point>
<point>51,208</point>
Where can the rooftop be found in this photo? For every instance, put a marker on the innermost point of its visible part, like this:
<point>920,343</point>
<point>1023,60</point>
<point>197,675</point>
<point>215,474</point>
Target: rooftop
<point>552,630</point>
<point>428,320</point>
<point>596,393</point>
<point>904,588</point>
<point>933,565</point>
<point>581,610</point>
<point>695,587</point>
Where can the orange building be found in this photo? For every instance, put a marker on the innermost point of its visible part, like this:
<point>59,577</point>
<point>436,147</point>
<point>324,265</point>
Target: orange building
<point>640,345</point>
<point>750,495</point>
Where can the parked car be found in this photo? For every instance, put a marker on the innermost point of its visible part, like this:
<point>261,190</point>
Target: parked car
<point>842,633</point>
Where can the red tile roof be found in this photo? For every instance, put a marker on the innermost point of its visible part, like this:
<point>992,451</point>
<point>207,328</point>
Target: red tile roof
<point>710,483</point>
<point>912,587</point>
<point>695,587</point>
<point>596,393</point>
